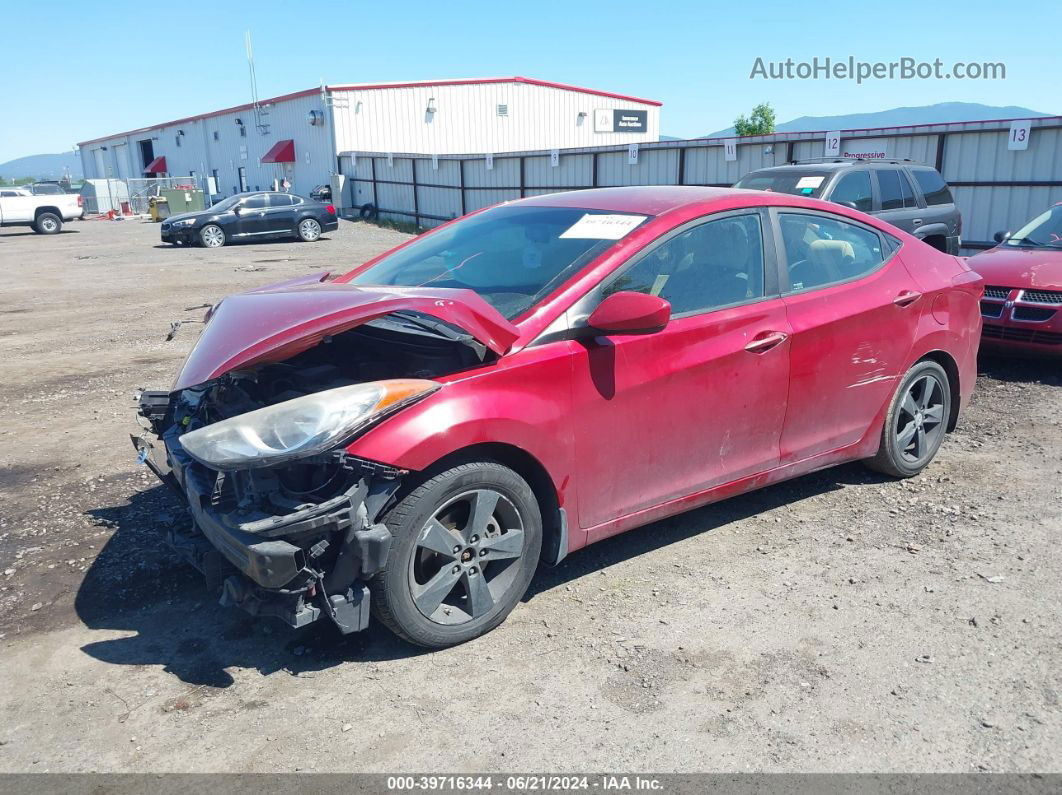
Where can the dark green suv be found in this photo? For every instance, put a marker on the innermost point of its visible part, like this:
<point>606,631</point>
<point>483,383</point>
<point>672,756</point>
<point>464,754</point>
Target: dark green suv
<point>909,195</point>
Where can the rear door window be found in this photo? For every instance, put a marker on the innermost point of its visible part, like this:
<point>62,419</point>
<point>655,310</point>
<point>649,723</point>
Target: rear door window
<point>907,191</point>
<point>933,186</point>
<point>889,186</point>
<point>797,183</point>
<point>854,188</point>
<point>279,200</point>
<point>821,250</point>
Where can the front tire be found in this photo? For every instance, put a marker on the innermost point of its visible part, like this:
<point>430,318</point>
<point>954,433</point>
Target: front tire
<point>308,230</point>
<point>212,236</point>
<point>48,224</point>
<point>916,422</point>
<point>466,545</point>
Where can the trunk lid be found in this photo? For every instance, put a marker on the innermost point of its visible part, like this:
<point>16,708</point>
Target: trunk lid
<point>278,322</point>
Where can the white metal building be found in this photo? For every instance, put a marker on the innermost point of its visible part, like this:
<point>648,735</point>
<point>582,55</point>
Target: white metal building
<point>301,136</point>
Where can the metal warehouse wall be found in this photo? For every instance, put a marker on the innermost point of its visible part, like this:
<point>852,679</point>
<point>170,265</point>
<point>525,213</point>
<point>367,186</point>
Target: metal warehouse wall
<point>995,188</point>
<point>466,119</point>
<point>199,152</point>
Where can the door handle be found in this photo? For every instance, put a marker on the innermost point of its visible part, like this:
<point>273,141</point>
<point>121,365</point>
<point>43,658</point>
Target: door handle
<point>917,222</point>
<point>764,342</point>
<point>906,298</point>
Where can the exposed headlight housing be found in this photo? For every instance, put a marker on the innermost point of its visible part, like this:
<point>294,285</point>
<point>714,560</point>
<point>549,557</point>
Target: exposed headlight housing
<point>185,222</point>
<point>301,427</point>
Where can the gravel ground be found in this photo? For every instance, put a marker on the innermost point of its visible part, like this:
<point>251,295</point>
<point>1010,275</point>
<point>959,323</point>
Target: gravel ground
<point>837,622</point>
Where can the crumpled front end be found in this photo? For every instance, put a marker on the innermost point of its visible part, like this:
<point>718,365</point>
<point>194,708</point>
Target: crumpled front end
<point>297,542</point>
<point>297,535</point>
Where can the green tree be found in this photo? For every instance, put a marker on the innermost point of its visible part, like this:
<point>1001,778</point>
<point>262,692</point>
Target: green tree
<point>759,122</point>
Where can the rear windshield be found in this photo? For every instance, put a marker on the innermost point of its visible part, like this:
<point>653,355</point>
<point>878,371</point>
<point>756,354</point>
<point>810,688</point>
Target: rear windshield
<point>798,183</point>
<point>512,256</point>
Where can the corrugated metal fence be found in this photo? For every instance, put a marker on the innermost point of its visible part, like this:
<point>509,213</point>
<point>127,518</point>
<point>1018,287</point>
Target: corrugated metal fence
<point>995,188</point>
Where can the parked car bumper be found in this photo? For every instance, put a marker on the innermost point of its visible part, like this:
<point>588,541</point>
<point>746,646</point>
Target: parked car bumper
<point>169,234</point>
<point>1018,326</point>
<point>330,225</point>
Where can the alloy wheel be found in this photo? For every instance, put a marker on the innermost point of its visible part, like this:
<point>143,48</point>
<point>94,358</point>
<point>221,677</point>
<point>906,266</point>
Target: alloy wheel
<point>309,230</point>
<point>920,420</point>
<point>213,237</point>
<point>464,558</point>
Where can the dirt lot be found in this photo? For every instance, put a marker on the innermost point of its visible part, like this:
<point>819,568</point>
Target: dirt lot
<point>836,622</point>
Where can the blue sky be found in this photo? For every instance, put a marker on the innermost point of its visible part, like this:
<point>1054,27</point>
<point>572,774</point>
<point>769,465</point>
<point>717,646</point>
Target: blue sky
<point>90,69</point>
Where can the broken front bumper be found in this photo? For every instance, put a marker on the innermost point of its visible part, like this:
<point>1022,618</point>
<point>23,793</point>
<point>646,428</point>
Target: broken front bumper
<point>295,566</point>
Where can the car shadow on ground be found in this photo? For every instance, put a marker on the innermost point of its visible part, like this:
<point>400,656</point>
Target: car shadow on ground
<point>25,230</point>
<point>1021,369</point>
<point>136,585</point>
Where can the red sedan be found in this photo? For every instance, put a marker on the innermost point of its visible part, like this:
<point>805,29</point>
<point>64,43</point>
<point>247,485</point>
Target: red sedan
<point>422,432</point>
<point>1022,307</point>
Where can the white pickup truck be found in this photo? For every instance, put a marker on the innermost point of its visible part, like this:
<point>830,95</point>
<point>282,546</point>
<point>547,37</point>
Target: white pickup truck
<point>45,213</point>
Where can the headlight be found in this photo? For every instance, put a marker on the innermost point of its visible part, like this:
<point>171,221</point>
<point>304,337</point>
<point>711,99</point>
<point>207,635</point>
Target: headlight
<point>184,222</point>
<point>301,427</point>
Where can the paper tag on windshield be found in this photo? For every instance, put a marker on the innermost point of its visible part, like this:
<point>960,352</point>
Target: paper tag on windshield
<point>809,182</point>
<point>603,227</point>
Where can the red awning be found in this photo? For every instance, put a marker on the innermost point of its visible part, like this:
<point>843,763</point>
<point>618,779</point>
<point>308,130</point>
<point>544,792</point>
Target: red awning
<point>156,166</point>
<point>282,152</point>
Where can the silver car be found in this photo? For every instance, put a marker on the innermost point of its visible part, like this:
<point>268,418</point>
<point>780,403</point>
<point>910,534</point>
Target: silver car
<point>911,196</point>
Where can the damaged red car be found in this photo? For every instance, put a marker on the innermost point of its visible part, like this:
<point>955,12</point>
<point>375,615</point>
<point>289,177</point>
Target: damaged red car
<point>419,434</point>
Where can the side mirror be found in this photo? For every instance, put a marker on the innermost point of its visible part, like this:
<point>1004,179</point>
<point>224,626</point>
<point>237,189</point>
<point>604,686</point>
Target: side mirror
<point>236,209</point>
<point>628,312</point>
<point>1001,237</point>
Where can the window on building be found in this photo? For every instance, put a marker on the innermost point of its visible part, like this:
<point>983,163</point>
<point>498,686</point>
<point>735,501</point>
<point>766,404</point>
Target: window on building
<point>854,188</point>
<point>242,173</point>
<point>711,265</point>
<point>177,138</point>
<point>933,186</point>
<point>820,251</point>
<point>889,185</point>
<point>503,109</point>
<point>217,135</point>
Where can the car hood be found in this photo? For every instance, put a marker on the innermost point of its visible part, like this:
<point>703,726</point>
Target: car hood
<point>275,323</point>
<point>1020,267</point>
<point>181,216</point>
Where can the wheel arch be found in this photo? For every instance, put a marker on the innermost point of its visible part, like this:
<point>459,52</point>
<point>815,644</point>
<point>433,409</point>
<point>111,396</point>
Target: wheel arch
<point>524,464</point>
<point>951,367</point>
<point>41,210</point>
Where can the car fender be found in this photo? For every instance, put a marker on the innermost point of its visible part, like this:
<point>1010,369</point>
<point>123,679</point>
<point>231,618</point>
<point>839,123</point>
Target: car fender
<point>522,404</point>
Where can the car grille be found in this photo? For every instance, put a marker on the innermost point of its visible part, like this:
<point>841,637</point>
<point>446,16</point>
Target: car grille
<point>991,309</point>
<point>997,292</point>
<point>1042,296</point>
<point>1021,335</point>
<point>1033,313</point>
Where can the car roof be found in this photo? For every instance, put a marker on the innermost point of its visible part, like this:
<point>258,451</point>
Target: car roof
<point>837,165</point>
<point>659,199</point>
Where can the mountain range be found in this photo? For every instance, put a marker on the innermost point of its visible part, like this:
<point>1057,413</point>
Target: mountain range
<point>43,166</point>
<point>900,117</point>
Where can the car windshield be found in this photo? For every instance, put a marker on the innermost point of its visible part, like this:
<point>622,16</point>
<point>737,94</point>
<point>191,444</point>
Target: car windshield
<point>511,256</point>
<point>225,204</point>
<point>1043,230</point>
<point>797,183</point>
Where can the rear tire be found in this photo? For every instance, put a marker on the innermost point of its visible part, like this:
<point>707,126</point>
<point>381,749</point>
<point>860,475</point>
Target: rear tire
<point>916,422</point>
<point>308,230</point>
<point>466,545</point>
<point>48,224</point>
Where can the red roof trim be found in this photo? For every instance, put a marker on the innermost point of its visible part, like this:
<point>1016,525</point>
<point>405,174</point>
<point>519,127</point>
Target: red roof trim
<point>156,166</point>
<point>281,152</point>
<point>487,80</point>
<point>369,87</point>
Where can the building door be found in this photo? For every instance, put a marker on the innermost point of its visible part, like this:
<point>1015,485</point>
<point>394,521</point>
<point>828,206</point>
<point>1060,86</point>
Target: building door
<point>243,179</point>
<point>121,159</point>
<point>147,153</point>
